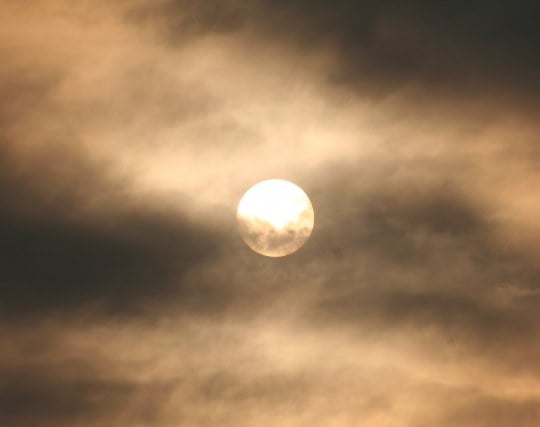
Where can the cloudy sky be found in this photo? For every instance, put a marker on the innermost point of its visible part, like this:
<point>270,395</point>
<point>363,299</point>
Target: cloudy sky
<point>130,130</point>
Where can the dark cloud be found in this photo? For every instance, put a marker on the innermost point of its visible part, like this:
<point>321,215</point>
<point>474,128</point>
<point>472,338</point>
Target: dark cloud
<point>58,256</point>
<point>461,49</point>
<point>48,266</point>
<point>426,259</point>
<point>34,398</point>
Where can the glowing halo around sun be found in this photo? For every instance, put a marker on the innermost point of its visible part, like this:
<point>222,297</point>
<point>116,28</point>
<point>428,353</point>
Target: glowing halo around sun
<point>275,217</point>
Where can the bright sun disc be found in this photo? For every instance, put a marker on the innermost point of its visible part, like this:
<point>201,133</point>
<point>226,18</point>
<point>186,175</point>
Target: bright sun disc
<point>275,217</point>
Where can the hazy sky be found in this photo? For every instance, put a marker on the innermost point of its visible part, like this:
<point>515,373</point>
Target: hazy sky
<point>130,130</point>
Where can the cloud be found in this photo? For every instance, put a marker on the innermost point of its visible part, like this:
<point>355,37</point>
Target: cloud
<point>379,47</point>
<point>491,411</point>
<point>429,261</point>
<point>128,133</point>
<point>35,398</point>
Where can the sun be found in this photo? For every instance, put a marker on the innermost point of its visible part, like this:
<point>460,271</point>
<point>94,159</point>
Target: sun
<point>275,217</point>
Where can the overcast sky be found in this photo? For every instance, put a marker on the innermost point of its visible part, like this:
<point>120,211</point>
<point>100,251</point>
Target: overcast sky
<point>129,132</point>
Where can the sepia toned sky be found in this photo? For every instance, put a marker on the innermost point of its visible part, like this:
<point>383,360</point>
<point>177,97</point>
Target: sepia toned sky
<point>129,132</point>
